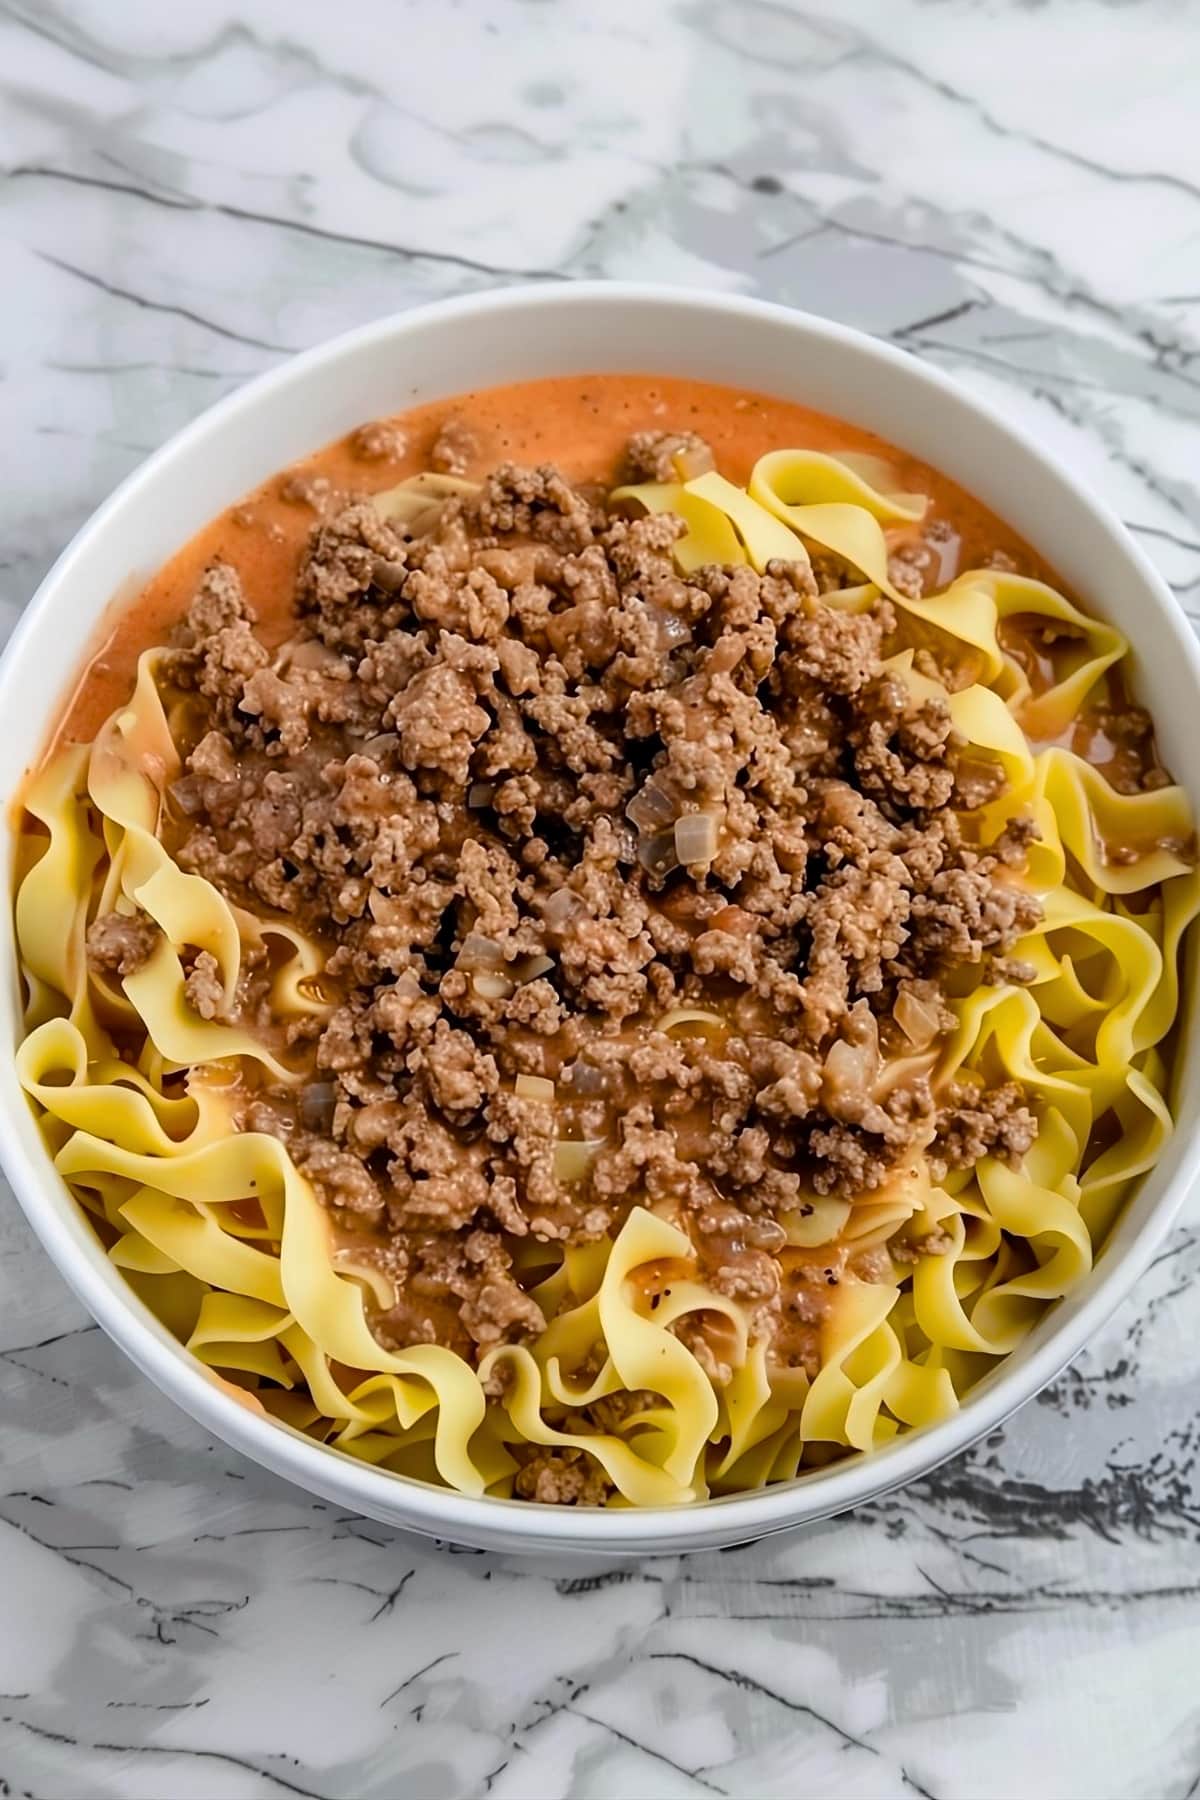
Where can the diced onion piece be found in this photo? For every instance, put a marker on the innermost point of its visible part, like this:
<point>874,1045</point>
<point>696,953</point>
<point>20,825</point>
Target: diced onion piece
<point>917,1019</point>
<point>381,745</point>
<point>820,1222</point>
<point>651,807</point>
<point>697,836</point>
<point>625,841</point>
<point>317,1102</point>
<point>311,653</point>
<point>382,1290</point>
<point>670,631</point>
<point>768,1234</point>
<point>186,794</point>
<point>851,1068</point>
<point>573,1157</point>
<point>479,952</point>
<point>386,909</point>
<point>480,793</point>
<point>491,987</point>
<point>535,1087</point>
<point>690,1015</point>
<point>585,1079</point>
<point>658,855</point>
<point>419,494</point>
<point>562,908</point>
<point>533,966</point>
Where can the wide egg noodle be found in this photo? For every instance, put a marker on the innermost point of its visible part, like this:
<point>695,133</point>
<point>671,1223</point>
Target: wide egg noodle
<point>835,503</point>
<point>220,1234</point>
<point>660,1461</point>
<point>1091,818</point>
<point>710,536</point>
<point>51,909</point>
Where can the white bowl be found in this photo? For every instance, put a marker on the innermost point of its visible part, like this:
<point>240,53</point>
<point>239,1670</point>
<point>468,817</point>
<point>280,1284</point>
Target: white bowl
<point>511,335</point>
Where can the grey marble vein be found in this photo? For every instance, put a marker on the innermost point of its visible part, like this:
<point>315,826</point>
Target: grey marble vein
<point>1007,188</point>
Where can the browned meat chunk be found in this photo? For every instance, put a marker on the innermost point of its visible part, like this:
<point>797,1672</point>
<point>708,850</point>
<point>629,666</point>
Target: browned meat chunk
<point>545,799</point>
<point>121,943</point>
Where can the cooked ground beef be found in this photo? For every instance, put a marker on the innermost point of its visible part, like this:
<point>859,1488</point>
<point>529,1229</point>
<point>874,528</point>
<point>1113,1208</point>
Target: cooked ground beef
<point>305,490</point>
<point>974,1122</point>
<point>454,448</point>
<point>379,441</point>
<point>119,944</point>
<point>563,1478</point>
<point>666,456</point>
<point>533,790</point>
<point>203,988</point>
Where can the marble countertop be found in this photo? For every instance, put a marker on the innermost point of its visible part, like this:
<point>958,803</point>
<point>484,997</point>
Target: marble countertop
<point>1009,188</point>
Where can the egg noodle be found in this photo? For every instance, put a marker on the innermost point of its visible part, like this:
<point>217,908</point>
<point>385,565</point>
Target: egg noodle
<point>221,1236</point>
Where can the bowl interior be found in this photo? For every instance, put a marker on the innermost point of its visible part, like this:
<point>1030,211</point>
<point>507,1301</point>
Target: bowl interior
<point>514,335</point>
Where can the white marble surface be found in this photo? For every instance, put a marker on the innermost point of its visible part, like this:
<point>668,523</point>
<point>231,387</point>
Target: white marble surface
<point>1011,188</point>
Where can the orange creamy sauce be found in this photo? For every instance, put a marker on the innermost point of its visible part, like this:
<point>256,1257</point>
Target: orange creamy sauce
<point>579,422</point>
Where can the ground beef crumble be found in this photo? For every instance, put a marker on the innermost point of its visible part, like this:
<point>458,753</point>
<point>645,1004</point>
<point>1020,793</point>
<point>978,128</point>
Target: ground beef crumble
<point>454,448</point>
<point>532,789</point>
<point>203,988</point>
<point>563,1478</point>
<point>974,1122</point>
<point>119,944</point>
